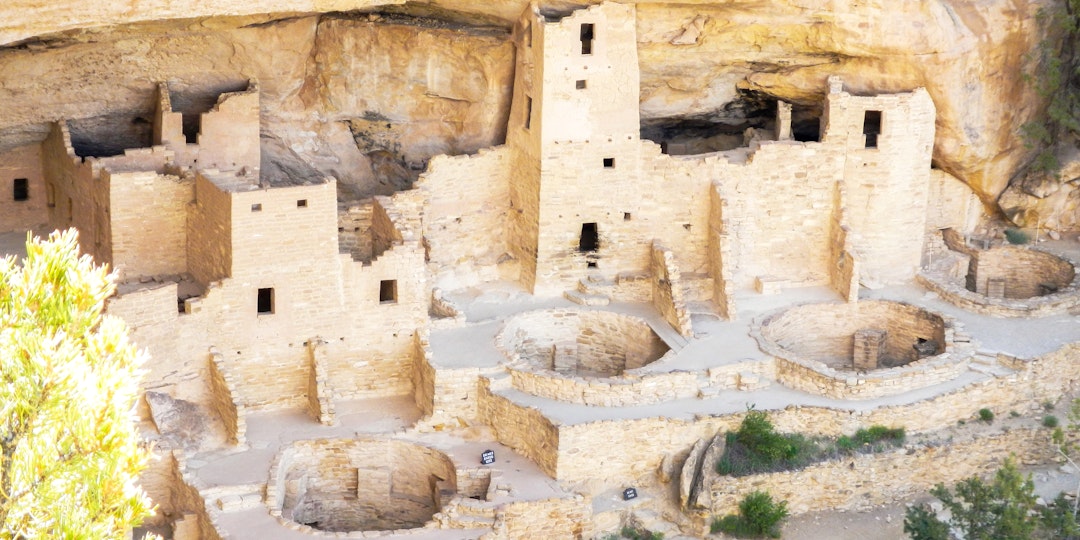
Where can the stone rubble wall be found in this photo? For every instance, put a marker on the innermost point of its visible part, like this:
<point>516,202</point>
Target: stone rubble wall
<point>555,519</point>
<point>613,452</point>
<point>863,481</point>
<point>465,220</point>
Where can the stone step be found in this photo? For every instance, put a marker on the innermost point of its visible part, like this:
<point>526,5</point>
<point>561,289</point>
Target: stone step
<point>596,285</point>
<point>586,299</point>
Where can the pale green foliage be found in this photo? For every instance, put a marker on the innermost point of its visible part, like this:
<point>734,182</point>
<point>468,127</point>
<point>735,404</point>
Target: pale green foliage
<point>69,451</point>
<point>1053,73</point>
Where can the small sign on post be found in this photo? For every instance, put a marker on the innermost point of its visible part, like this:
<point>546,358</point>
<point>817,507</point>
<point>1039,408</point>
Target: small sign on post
<point>488,457</point>
<point>629,493</point>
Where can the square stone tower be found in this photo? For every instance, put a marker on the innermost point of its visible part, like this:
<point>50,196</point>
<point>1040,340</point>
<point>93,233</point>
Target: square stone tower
<point>574,127</point>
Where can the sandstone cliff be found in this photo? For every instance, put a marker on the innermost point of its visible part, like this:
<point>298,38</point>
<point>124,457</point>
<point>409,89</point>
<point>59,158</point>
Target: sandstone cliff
<point>432,77</point>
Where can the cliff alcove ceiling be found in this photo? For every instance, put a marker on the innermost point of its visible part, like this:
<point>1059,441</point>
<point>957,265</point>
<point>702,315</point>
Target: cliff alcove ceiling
<point>440,72</point>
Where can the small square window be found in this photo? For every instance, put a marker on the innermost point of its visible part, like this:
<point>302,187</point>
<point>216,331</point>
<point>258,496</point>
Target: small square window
<point>302,203</point>
<point>388,291</point>
<point>609,163</point>
<point>626,216</point>
<point>266,301</point>
<point>21,189</point>
<point>580,85</point>
<point>257,207</point>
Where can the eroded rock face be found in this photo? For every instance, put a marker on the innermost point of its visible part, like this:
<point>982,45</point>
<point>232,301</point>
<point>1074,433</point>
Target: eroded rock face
<point>337,88</point>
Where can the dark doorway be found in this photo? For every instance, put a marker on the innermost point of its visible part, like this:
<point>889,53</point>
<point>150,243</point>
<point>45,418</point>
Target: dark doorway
<point>586,38</point>
<point>590,239</point>
<point>871,127</point>
<point>21,189</point>
<point>266,301</point>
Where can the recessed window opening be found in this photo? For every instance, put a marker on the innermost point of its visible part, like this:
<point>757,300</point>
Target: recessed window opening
<point>20,188</point>
<point>590,239</point>
<point>266,301</point>
<point>302,203</point>
<point>257,207</point>
<point>609,163</point>
<point>581,84</point>
<point>871,127</point>
<point>192,124</point>
<point>626,216</point>
<point>388,291</point>
<point>590,264</point>
<point>528,112</point>
<point>50,195</point>
<point>586,38</point>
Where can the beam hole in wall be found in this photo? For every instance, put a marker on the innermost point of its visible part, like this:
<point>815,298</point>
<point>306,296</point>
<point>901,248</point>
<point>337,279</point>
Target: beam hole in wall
<point>266,301</point>
<point>589,241</point>
<point>388,291</point>
<point>580,84</point>
<point>609,163</point>
<point>302,203</point>
<point>871,127</point>
<point>257,207</point>
<point>20,188</point>
<point>626,216</point>
<point>587,35</point>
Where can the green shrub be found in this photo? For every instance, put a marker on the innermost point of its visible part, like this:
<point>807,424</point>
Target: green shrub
<point>986,415</point>
<point>640,534</point>
<point>758,516</point>
<point>1016,236</point>
<point>1050,421</point>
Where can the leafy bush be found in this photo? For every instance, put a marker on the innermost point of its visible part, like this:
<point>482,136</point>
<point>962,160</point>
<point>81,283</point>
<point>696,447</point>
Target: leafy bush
<point>1002,509</point>
<point>756,447</point>
<point>1016,236</point>
<point>640,534</point>
<point>986,415</point>
<point>758,516</point>
<point>1050,421</point>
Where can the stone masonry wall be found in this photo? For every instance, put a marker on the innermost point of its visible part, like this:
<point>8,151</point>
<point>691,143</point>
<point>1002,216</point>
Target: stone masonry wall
<point>866,480</point>
<point>667,294</point>
<point>1025,271</point>
<point>467,216</point>
<point>148,222</point>
<point>24,163</point>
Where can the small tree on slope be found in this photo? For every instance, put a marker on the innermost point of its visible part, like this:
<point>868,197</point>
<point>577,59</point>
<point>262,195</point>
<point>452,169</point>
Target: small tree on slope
<point>69,451</point>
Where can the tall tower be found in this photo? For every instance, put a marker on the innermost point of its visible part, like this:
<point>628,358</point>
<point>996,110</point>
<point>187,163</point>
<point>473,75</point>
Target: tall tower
<point>574,127</point>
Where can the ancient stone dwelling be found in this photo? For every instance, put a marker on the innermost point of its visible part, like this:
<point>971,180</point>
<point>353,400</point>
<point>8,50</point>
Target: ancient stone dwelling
<point>259,293</point>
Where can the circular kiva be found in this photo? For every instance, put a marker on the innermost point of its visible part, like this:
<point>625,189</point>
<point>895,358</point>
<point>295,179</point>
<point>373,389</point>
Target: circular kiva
<point>343,485</point>
<point>1008,281</point>
<point>858,336</point>
<point>582,343</point>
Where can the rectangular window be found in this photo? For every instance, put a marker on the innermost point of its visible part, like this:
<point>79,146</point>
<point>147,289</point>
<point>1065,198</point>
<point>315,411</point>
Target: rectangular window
<point>257,207</point>
<point>581,84</point>
<point>21,189</point>
<point>528,112</point>
<point>590,239</point>
<point>388,291</point>
<point>609,163</point>
<point>871,127</point>
<point>302,203</point>
<point>586,38</point>
<point>266,301</point>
